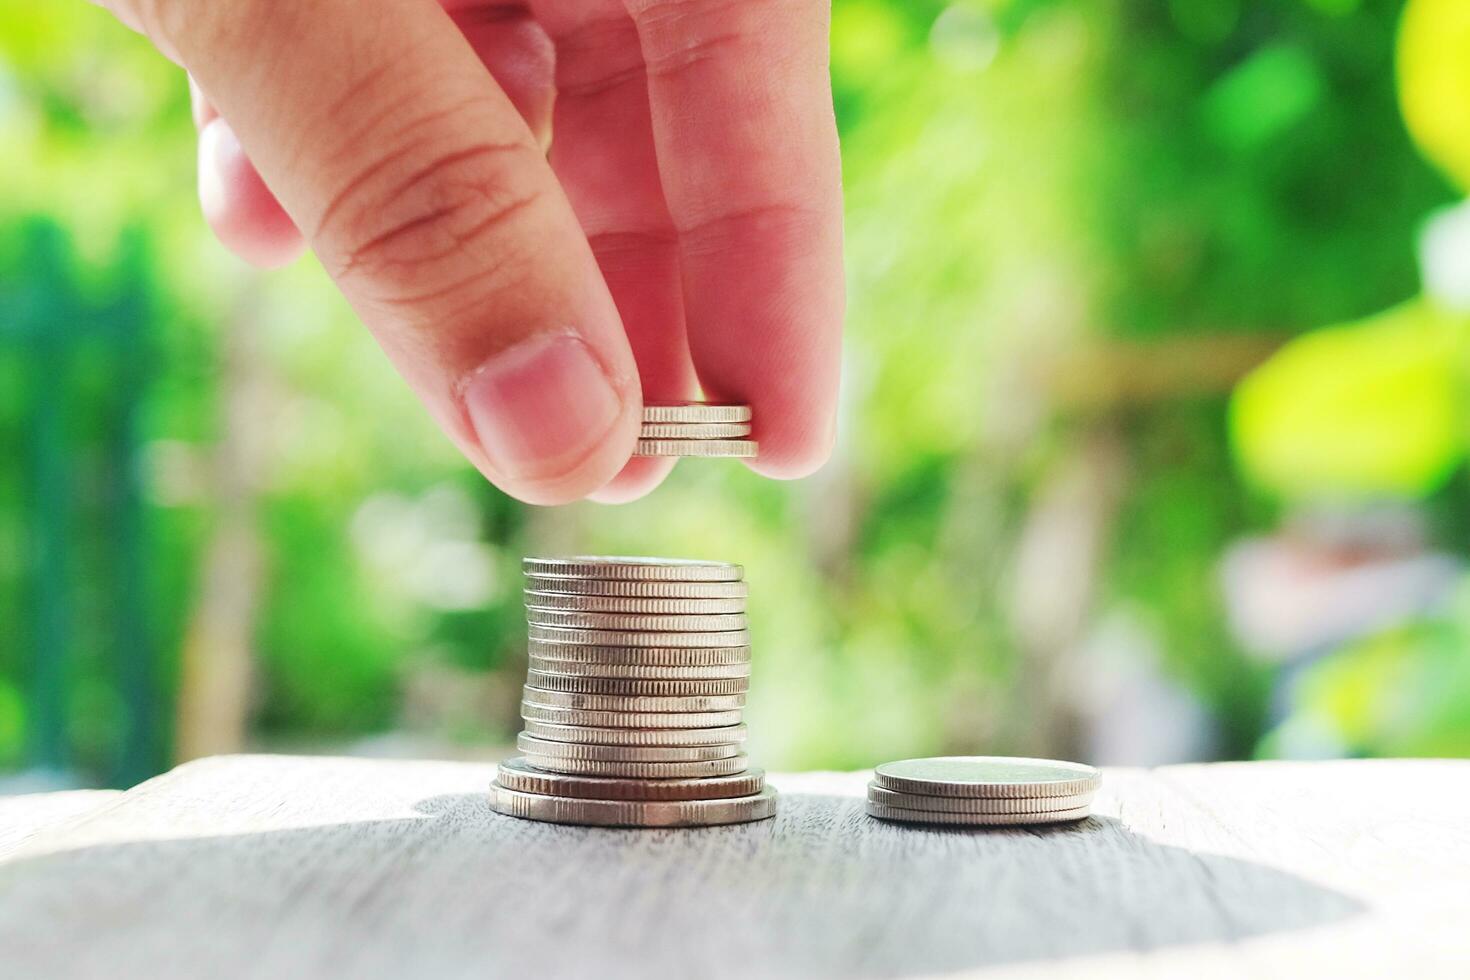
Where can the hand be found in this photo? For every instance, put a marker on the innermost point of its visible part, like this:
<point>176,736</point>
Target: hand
<point>686,229</point>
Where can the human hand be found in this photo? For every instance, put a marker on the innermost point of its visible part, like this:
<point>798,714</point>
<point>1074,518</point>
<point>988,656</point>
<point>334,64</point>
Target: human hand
<point>685,230</point>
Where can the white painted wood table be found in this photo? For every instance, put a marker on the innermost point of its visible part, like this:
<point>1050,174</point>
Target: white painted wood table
<point>298,867</point>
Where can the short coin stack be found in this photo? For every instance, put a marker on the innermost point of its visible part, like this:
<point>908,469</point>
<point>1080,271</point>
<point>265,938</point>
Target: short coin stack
<point>982,790</point>
<point>695,429</point>
<point>634,697</point>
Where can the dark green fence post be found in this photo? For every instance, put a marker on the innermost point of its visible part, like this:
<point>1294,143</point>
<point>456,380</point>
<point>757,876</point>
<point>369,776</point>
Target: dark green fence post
<point>47,733</point>
<point>139,751</point>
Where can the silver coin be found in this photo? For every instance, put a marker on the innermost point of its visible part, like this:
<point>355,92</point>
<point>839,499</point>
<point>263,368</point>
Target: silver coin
<point>626,813</point>
<point>728,448</point>
<point>635,638</point>
<point>631,638</point>
<point>651,672</point>
<point>696,413</point>
<point>640,770</point>
<point>974,819</point>
<point>634,621</point>
<point>658,704</point>
<point>553,585</point>
<point>517,774</point>
<point>629,719</point>
<point>637,568</point>
<point>638,686</point>
<point>973,804</point>
<point>652,656</point>
<point>656,606</point>
<point>990,776</point>
<point>586,735</point>
<point>694,430</point>
<point>542,747</point>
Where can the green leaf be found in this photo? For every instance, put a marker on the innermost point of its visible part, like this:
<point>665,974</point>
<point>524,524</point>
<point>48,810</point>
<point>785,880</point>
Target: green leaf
<point>1368,409</point>
<point>1264,97</point>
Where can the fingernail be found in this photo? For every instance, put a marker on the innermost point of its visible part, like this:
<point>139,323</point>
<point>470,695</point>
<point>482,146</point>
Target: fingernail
<point>219,148</point>
<point>540,406</point>
<point>200,106</point>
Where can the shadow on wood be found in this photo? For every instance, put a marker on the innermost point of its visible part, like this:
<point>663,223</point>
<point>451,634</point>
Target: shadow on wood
<point>459,891</point>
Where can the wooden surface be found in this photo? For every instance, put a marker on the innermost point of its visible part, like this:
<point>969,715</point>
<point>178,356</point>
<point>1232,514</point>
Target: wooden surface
<point>23,817</point>
<point>296,867</point>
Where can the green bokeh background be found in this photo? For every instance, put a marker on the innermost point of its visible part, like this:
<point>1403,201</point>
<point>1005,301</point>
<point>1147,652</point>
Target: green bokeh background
<point>1073,228</point>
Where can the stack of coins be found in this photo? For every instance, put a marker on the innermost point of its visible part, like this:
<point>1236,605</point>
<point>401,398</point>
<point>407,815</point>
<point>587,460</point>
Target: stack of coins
<point>695,429</point>
<point>634,697</point>
<point>982,790</point>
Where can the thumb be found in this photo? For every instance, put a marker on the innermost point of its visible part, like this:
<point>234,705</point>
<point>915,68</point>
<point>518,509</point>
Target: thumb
<point>430,204</point>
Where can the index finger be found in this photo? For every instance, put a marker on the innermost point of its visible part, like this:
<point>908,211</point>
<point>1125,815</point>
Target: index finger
<point>428,200</point>
<point>747,149</point>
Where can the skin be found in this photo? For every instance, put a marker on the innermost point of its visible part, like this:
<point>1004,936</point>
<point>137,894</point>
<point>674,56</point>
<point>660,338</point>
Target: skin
<point>545,211</point>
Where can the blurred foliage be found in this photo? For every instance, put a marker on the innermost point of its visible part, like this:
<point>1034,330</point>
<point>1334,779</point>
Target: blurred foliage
<point>1368,409</point>
<point>1434,81</point>
<point>1072,226</point>
<point>1402,692</point>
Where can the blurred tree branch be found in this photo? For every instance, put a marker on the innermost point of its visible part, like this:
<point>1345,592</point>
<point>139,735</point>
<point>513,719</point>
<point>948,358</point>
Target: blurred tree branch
<point>218,647</point>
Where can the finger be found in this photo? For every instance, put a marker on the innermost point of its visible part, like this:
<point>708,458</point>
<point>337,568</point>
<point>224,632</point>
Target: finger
<point>244,215</point>
<point>514,48</point>
<point>603,153</point>
<point>427,199</point>
<point>747,148</point>
<point>200,107</point>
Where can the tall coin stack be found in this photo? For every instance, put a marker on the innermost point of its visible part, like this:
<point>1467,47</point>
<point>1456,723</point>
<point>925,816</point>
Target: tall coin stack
<point>696,429</point>
<point>634,697</point>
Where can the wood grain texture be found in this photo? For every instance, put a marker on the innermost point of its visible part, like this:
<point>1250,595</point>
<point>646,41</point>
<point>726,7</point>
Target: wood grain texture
<point>23,817</point>
<point>294,867</point>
